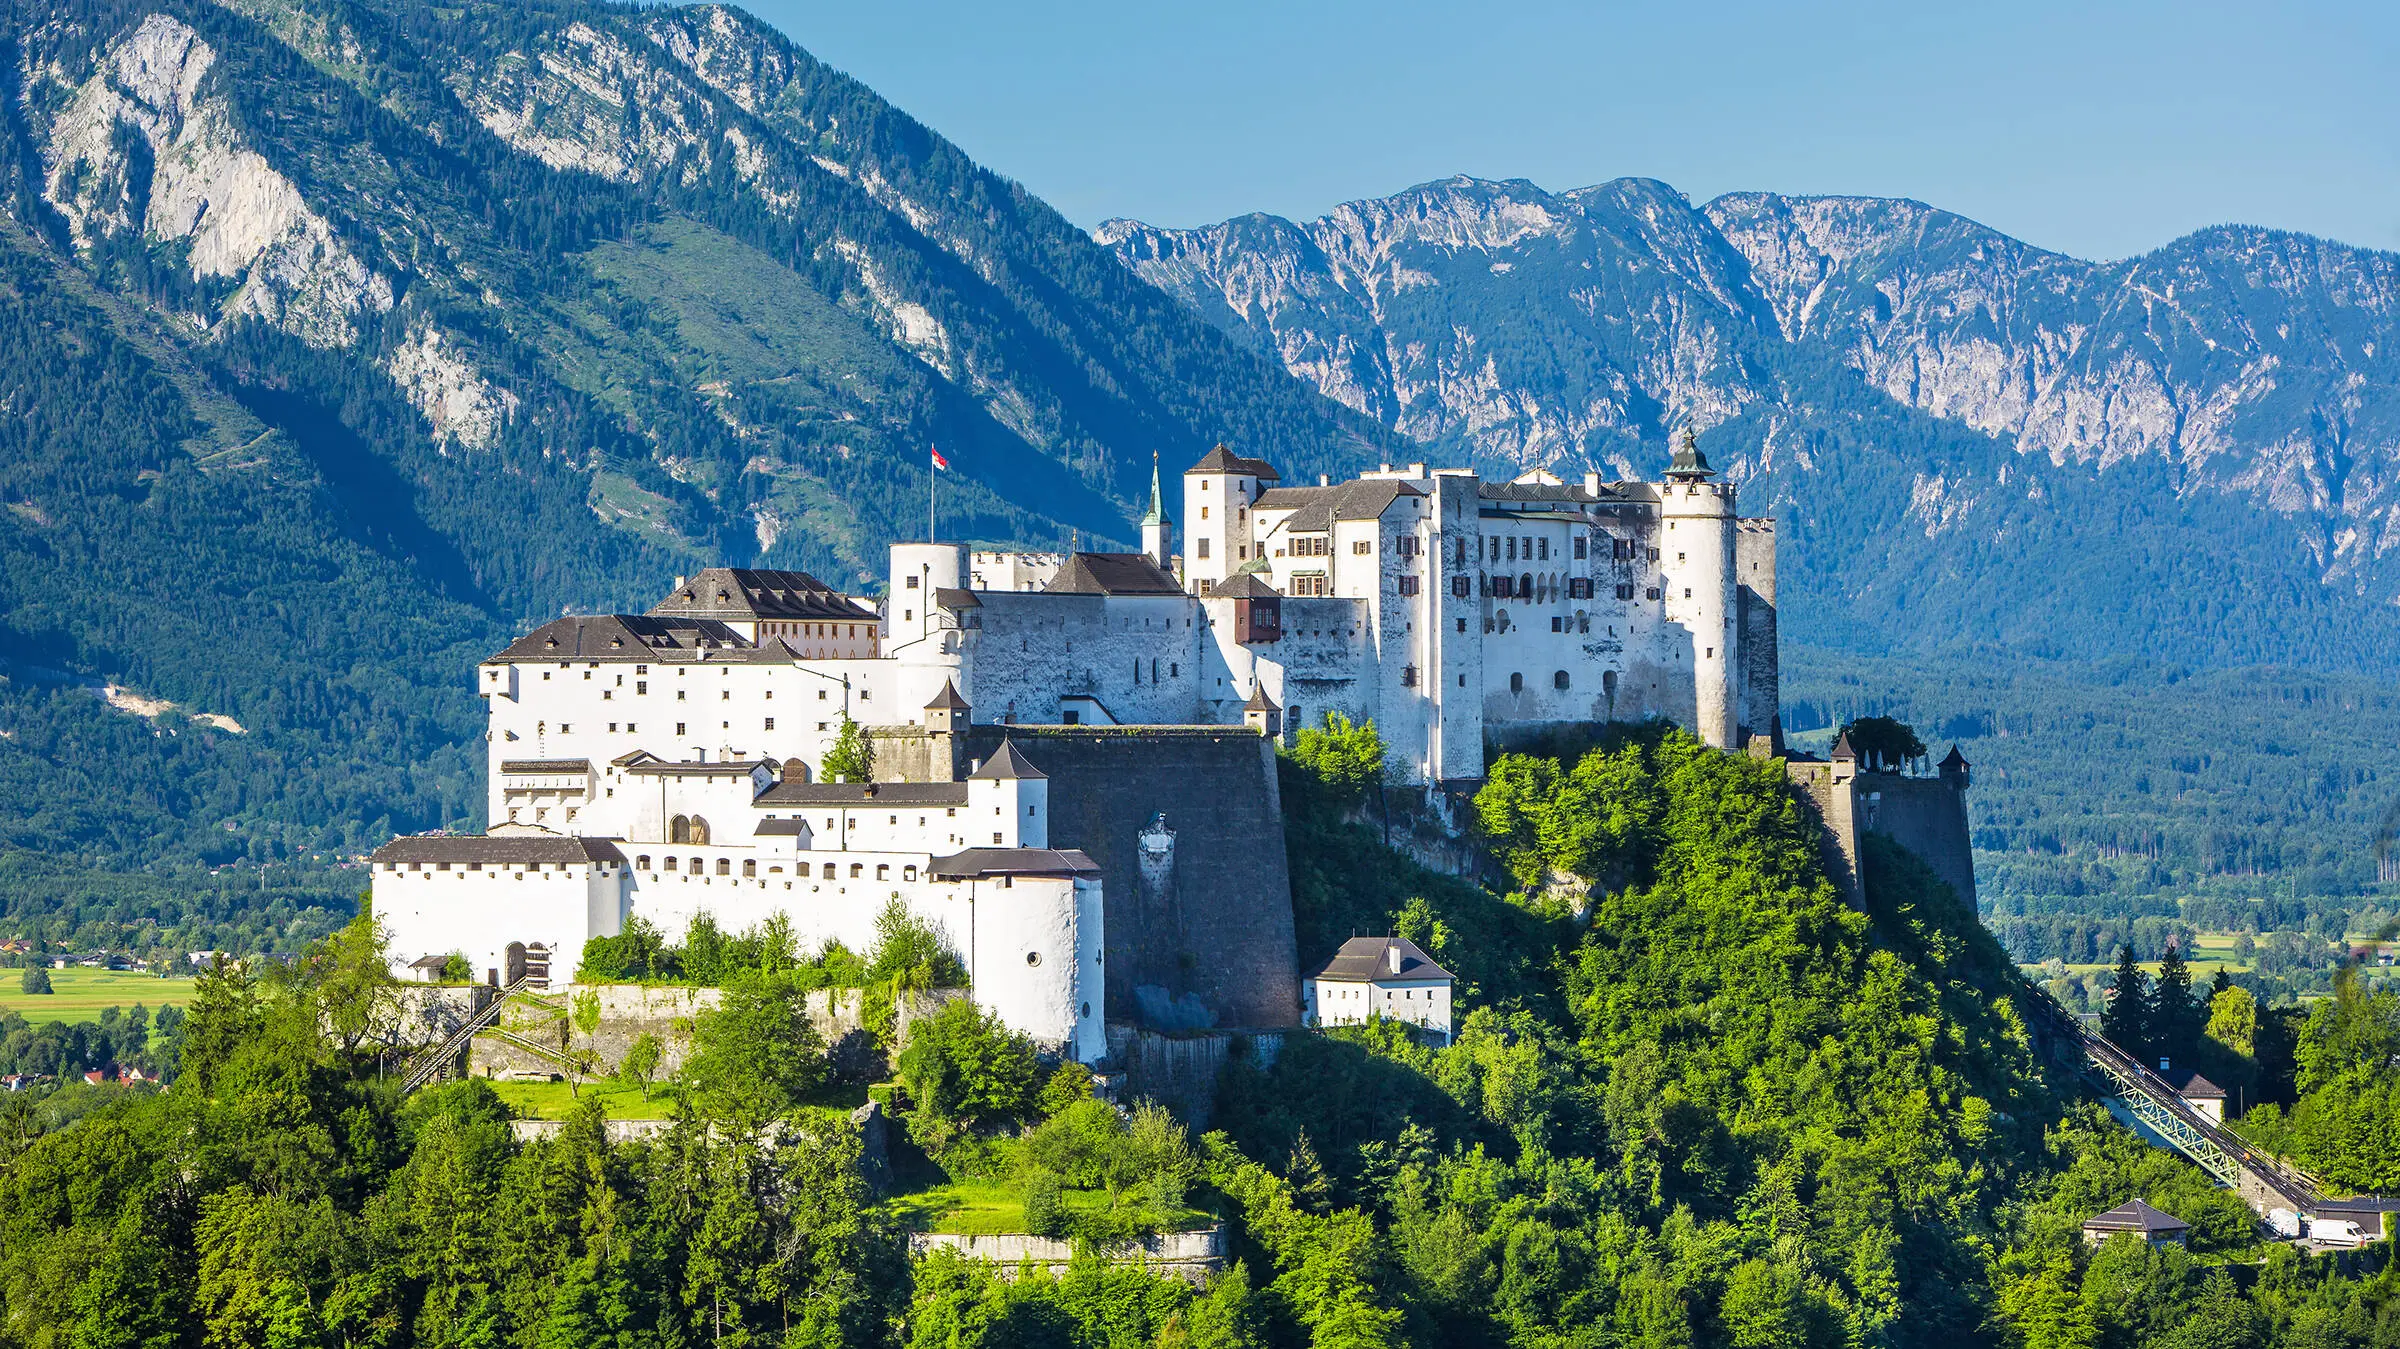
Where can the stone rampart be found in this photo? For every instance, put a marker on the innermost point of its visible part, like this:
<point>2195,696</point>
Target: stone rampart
<point>1180,1072</point>
<point>1927,816</point>
<point>1190,1256</point>
<point>1186,824</point>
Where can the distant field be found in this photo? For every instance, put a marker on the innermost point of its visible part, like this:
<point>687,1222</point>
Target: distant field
<point>81,995</point>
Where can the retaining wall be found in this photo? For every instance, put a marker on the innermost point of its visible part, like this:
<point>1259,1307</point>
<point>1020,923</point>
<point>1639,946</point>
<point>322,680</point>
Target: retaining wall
<point>1190,1256</point>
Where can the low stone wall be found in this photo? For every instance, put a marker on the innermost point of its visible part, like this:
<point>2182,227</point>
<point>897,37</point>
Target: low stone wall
<point>429,1012</point>
<point>629,1011</point>
<point>1191,1256</point>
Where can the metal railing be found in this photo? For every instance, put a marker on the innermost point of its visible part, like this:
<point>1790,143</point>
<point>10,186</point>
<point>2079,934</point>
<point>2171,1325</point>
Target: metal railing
<point>429,1065</point>
<point>2156,1103</point>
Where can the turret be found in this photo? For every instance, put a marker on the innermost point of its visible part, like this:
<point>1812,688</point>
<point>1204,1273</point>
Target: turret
<point>1158,528</point>
<point>1843,758</point>
<point>946,719</point>
<point>1954,769</point>
<point>1261,714</point>
<point>1008,802</point>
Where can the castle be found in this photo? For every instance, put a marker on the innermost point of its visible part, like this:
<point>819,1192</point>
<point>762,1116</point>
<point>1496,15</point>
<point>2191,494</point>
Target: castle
<point>1072,752</point>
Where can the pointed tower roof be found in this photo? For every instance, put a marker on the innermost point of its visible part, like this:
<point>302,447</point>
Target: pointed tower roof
<point>1689,464</point>
<point>1007,763</point>
<point>1158,509</point>
<point>948,700</point>
<point>1260,702</point>
<point>1841,749</point>
<point>1953,759</point>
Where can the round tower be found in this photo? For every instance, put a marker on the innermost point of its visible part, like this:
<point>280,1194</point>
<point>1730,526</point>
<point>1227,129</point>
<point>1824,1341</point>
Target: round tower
<point>915,633</point>
<point>1696,559</point>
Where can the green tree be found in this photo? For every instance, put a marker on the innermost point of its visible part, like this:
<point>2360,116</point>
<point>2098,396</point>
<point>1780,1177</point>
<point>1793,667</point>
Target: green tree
<point>640,1063</point>
<point>1883,744</point>
<point>1348,757</point>
<point>850,758</point>
<point>2174,1017</point>
<point>2126,1022</point>
<point>35,979</point>
<point>753,1056</point>
<point>964,1071</point>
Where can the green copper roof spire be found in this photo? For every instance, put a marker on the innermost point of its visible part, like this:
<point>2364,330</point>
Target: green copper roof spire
<point>1158,510</point>
<point>1689,464</point>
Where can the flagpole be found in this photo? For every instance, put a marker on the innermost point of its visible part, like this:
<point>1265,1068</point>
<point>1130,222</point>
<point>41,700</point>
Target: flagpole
<point>933,479</point>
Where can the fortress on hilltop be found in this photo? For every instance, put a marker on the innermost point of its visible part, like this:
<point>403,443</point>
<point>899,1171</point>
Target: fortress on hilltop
<point>1073,753</point>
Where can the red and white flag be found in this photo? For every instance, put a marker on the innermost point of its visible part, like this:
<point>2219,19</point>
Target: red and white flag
<point>938,461</point>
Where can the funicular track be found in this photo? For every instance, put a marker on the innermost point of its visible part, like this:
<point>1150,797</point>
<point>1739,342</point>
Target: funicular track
<point>2262,1181</point>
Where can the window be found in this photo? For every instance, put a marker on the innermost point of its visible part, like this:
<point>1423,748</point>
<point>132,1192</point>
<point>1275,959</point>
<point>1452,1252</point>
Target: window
<point>1313,585</point>
<point>724,695</point>
<point>564,728</point>
<point>1516,683</point>
<point>857,870</point>
<point>1687,594</point>
<point>641,686</point>
<point>1362,547</point>
<point>908,873</point>
<point>912,582</point>
<point>1651,593</point>
<point>1557,624</point>
<point>749,866</point>
<point>642,863</point>
<point>883,871</point>
<point>1204,515</point>
<point>1582,546</point>
<point>1559,680</point>
<point>1543,551</point>
<point>770,723</point>
<point>1462,586</point>
<point>724,866</point>
<point>1408,585</point>
<point>1200,545</point>
<point>670,862</point>
<point>829,871</point>
<point>679,728</point>
<point>1408,676</point>
<point>679,695</point>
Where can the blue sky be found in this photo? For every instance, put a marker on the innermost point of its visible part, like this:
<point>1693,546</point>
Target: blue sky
<point>2098,130</point>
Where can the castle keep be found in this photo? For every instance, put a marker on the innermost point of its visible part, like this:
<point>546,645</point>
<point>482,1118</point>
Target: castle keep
<point>1073,753</point>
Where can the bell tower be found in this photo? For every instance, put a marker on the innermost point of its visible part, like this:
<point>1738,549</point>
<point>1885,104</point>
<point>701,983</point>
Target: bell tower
<point>1158,528</point>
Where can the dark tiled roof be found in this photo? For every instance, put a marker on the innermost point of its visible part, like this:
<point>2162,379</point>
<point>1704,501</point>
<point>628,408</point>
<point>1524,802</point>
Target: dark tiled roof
<point>1364,959</point>
<point>505,849</point>
<point>948,700</point>
<point>743,594</point>
<point>639,637</point>
<point>782,828</point>
<point>1245,586</point>
<point>1260,702</point>
<point>1953,759</point>
<point>950,597</point>
<point>1111,574</point>
<point>723,768</point>
<point>545,765</point>
<point>1842,750</point>
<point>2136,1216</point>
<point>1222,460</point>
<point>1007,762</point>
<point>1314,509</point>
<point>863,793</point>
<point>2193,1087</point>
<point>1014,862</point>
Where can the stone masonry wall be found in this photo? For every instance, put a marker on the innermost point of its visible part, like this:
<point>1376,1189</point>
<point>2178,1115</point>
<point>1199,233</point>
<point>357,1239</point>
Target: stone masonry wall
<point>1928,817</point>
<point>1199,935</point>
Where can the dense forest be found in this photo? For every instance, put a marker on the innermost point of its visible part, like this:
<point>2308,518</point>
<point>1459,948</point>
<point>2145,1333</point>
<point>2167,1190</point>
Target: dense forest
<point>1695,1100</point>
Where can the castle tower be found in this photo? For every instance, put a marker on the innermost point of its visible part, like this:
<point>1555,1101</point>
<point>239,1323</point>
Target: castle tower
<point>1008,802</point>
<point>1158,528</point>
<point>1697,541</point>
<point>915,632</point>
<point>1217,493</point>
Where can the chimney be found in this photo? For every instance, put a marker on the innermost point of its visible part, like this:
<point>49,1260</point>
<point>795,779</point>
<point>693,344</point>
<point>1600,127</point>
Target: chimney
<point>1391,953</point>
<point>1324,480</point>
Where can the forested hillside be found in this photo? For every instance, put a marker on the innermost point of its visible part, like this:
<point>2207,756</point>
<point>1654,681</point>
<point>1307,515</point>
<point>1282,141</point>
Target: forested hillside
<point>1715,1108</point>
<point>346,340</point>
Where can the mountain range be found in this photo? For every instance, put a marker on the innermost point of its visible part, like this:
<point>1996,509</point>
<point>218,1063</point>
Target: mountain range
<point>345,339</point>
<point>2194,453</point>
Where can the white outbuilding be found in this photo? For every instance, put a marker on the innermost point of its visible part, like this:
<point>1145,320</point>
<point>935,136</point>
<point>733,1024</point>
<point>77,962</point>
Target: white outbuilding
<point>1390,977</point>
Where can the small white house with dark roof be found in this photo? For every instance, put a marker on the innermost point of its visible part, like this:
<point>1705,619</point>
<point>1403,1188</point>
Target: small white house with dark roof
<point>1389,977</point>
<point>2203,1096</point>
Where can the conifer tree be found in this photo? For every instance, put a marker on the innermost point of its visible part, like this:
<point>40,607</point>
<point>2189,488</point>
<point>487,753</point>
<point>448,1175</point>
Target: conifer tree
<point>2126,1021</point>
<point>2174,1028</point>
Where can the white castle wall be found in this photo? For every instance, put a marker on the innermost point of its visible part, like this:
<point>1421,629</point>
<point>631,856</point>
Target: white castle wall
<point>435,908</point>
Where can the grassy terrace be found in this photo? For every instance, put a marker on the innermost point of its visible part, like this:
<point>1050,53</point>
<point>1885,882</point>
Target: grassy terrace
<point>82,995</point>
<point>989,1208</point>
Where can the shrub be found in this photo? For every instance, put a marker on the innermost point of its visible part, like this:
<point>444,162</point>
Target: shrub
<point>36,980</point>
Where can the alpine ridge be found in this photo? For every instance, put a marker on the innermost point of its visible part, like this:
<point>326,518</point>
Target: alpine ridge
<point>2196,450</point>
